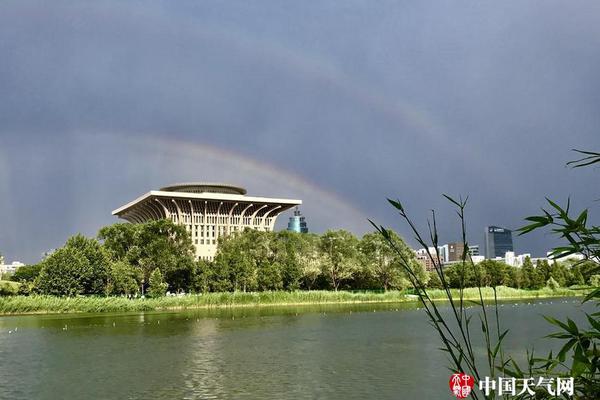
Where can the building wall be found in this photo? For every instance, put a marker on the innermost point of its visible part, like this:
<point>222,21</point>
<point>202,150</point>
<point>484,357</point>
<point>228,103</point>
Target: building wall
<point>207,211</point>
<point>497,241</point>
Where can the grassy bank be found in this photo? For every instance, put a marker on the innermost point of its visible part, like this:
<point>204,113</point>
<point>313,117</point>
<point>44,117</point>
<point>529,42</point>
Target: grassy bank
<point>50,304</point>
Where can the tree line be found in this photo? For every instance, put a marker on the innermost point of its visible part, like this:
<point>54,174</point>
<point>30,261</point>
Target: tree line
<point>528,276</point>
<point>158,256</point>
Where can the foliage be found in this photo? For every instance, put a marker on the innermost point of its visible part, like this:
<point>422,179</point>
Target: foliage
<point>552,284</point>
<point>80,267</point>
<point>595,280</point>
<point>62,273</point>
<point>26,273</point>
<point>9,288</point>
<point>158,286</point>
<point>124,279</point>
<point>339,250</point>
<point>93,279</point>
<point>579,356</point>
<point>382,263</point>
<point>155,244</point>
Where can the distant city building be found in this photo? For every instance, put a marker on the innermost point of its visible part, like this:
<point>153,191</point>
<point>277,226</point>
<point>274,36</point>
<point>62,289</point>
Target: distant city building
<point>10,268</point>
<point>452,252</point>
<point>570,257</point>
<point>497,241</point>
<point>474,250</point>
<point>422,257</point>
<point>297,222</point>
<point>207,210</point>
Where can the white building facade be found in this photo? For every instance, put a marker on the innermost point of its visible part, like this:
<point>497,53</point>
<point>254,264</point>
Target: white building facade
<point>207,210</point>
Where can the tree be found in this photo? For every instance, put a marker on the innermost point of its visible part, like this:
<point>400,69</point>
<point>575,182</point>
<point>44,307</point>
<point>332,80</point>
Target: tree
<point>236,260</point>
<point>62,272</point>
<point>560,273</point>
<point>26,273</point>
<point>158,286</point>
<point>119,239</point>
<point>544,269</point>
<point>154,244</point>
<point>95,278</point>
<point>383,263</point>
<point>204,277</point>
<point>434,281</point>
<point>310,259</point>
<point>124,279</point>
<point>339,250</point>
<point>531,277</point>
<point>496,273</point>
<point>552,284</point>
<point>287,247</point>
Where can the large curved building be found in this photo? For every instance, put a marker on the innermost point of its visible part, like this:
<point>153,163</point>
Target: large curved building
<point>207,210</point>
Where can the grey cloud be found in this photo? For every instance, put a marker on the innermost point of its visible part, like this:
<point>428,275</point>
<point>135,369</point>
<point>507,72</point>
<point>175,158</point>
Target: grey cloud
<point>366,100</point>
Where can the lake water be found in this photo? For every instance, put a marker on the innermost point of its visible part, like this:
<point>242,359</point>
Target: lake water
<point>324,352</point>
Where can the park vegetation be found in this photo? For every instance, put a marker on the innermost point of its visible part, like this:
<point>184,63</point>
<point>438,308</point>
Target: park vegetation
<point>157,257</point>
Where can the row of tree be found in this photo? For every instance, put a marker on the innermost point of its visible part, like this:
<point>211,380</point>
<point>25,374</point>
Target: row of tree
<point>131,259</point>
<point>528,276</point>
<point>151,258</point>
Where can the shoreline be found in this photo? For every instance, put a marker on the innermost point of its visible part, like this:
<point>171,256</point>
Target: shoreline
<point>43,305</point>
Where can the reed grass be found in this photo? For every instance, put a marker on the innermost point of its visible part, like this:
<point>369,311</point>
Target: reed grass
<point>91,304</point>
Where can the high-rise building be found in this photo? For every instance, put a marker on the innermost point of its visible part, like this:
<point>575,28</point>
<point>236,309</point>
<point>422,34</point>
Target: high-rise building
<point>497,241</point>
<point>207,210</point>
<point>297,222</point>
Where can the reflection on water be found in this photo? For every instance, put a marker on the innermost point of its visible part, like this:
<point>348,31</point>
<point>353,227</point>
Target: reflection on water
<point>328,351</point>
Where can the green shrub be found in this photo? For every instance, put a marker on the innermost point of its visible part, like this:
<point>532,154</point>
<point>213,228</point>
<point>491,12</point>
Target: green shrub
<point>158,286</point>
<point>8,288</point>
<point>595,280</point>
<point>552,284</point>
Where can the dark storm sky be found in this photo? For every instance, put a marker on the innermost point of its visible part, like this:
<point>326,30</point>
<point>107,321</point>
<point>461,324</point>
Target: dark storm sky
<point>339,103</point>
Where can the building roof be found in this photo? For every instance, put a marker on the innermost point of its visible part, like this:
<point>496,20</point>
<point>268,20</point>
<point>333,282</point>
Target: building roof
<point>204,187</point>
<point>199,191</point>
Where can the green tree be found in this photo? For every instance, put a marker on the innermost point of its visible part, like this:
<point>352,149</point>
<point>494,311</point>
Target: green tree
<point>434,281</point>
<point>381,261</point>
<point>236,260</point>
<point>204,277</point>
<point>154,244</point>
<point>124,279</point>
<point>544,269</point>
<point>287,247</point>
<point>496,273</point>
<point>552,284</point>
<point>158,286</point>
<point>311,260</point>
<point>340,251</point>
<point>531,277</point>
<point>62,273</point>
<point>560,273</point>
<point>119,239</point>
<point>27,273</point>
<point>95,278</point>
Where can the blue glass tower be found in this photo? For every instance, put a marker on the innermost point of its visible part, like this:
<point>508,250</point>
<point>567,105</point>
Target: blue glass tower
<point>497,241</point>
<point>297,222</point>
